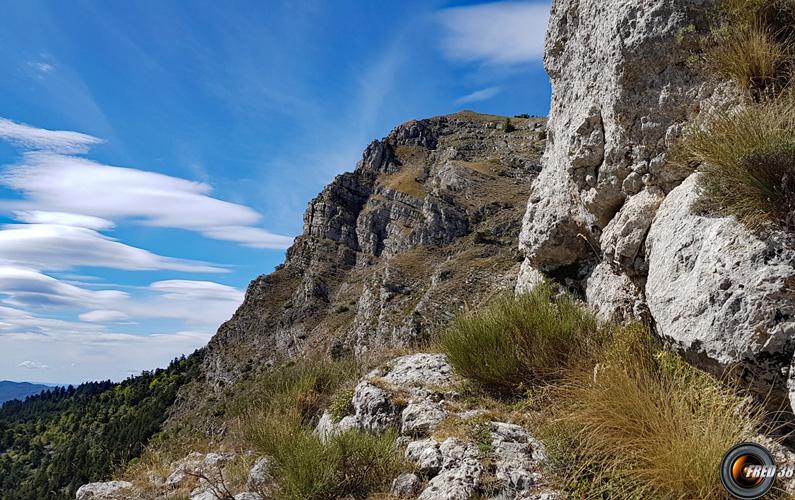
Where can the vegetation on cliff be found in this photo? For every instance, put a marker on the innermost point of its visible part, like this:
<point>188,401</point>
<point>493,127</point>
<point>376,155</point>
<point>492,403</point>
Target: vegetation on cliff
<point>746,156</point>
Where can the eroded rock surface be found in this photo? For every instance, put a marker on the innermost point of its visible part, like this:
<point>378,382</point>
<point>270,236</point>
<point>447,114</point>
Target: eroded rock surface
<point>725,296</point>
<point>605,215</point>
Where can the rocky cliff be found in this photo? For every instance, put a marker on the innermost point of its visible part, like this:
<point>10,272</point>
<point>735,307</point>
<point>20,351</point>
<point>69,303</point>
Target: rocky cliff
<point>445,213</point>
<point>612,214</point>
<point>425,225</point>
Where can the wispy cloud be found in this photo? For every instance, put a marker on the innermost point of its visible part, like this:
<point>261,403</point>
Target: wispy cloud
<point>32,365</point>
<point>200,303</point>
<point>61,141</point>
<point>495,33</point>
<point>63,184</point>
<point>103,316</point>
<point>61,247</point>
<point>479,95</point>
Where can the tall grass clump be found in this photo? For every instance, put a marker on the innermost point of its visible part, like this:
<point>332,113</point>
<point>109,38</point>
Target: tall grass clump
<point>516,341</point>
<point>355,463</point>
<point>280,423</point>
<point>641,423</point>
<point>748,163</point>
<point>753,44</point>
<point>753,58</point>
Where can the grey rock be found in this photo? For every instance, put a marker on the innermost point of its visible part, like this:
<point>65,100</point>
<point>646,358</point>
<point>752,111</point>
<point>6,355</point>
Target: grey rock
<point>203,493</point>
<point>460,476</point>
<point>374,408</point>
<point>623,237</point>
<point>421,418</point>
<point>326,427</point>
<point>513,452</point>
<point>528,278</point>
<point>425,455</point>
<point>420,370</point>
<point>248,495</point>
<point>260,477</point>
<point>621,94</point>
<point>721,294</point>
<point>612,295</point>
<point>182,470</point>
<point>405,485</point>
<point>109,490</point>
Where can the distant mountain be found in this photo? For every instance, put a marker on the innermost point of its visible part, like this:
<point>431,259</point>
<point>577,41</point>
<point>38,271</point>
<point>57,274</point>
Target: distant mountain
<point>19,390</point>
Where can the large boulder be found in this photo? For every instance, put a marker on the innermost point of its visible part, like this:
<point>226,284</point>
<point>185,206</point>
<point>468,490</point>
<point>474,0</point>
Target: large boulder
<point>724,295</point>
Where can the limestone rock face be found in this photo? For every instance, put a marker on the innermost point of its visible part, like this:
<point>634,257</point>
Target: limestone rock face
<point>427,223</point>
<point>725,296</point>
<point>605,214</point>
<point>622,90</point>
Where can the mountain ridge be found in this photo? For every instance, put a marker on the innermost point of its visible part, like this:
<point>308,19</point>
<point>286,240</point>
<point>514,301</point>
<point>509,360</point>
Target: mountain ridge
<point>10,390</point>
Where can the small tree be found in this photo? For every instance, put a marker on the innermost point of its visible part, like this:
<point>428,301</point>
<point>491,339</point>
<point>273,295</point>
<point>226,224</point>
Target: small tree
<point>509,126</point>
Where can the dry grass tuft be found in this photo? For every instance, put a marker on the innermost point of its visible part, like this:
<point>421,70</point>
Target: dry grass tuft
<point>753,45</point>
<point>644,424</point>
<point>753,58</point>
<point>748,163</point>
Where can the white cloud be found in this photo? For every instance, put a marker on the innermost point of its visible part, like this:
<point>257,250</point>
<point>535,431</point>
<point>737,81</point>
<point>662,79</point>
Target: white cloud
<point>63,219</point>
<point>58,183</point>
<point>192,302</point>
<point>495,33</point>
<point>479,95</point>
<point>78,355</point>
<point>59,247</point>
<point>103,316</point>
<point>32,365</point>
<point>31,289</point>
<point>61,141</point>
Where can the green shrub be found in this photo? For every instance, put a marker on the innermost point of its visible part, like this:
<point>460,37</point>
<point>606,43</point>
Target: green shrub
<point>748,163</point>
<point>509,127</point>
<point>354,463</point>
<point>519,340</point>
<point>341,404</point>
<point>641,423</point>
<point>306,386</point>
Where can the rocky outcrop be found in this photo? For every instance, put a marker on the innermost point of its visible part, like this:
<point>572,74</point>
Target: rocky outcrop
<point>724,296</point>
<point>110,490</point>
<point>416,393</point>
<point>197,476</point>
<point>607,214</point>
<point>622,90</point>
<point>426,224</point>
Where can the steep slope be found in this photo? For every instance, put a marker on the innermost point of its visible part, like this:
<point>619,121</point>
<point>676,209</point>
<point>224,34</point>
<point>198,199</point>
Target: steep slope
<point>427,224</point>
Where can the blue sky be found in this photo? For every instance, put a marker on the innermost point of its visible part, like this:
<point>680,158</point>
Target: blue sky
<point>156,156</point>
